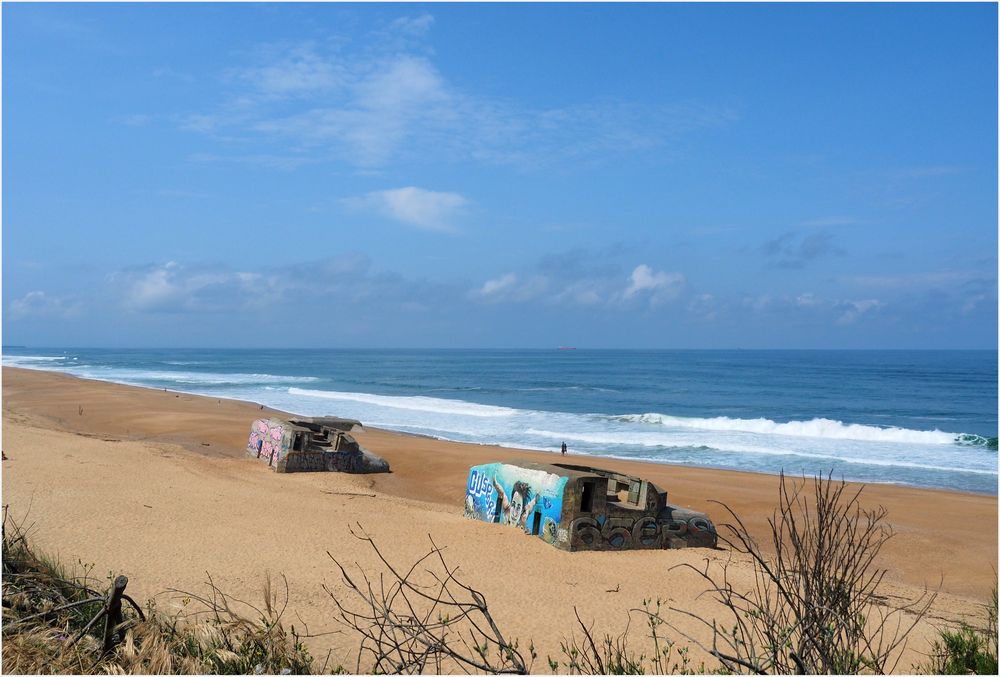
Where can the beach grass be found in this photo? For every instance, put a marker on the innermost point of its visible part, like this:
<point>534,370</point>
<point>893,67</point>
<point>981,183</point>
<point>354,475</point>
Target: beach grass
<point>49,628</point>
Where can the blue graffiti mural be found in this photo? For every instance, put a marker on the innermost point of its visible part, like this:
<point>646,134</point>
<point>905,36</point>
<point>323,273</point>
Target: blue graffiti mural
<point>527,499</point>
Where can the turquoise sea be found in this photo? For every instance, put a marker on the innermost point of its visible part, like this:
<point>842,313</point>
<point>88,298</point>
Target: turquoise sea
<point>921,418</point>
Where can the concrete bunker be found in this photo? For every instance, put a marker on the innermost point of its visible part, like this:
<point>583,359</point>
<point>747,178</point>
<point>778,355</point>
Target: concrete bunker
<point>311,445</point>
<point>582,508</point>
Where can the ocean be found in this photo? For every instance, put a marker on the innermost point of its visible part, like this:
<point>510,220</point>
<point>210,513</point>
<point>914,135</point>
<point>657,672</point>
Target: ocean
<point>919,418</point>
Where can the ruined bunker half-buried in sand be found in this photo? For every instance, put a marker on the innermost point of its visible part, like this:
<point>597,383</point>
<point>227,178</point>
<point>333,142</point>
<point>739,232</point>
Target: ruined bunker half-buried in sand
<point>580,508</point>
<point>311,445</point>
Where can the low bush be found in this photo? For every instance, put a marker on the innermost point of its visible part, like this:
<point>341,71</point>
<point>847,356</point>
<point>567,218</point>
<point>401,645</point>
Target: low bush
<point>968,650</point>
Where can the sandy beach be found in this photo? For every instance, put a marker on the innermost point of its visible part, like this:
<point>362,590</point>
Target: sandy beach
<point>156,485</point>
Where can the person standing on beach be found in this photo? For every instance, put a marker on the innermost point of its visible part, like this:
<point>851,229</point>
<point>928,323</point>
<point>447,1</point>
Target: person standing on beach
<point>564,449</point>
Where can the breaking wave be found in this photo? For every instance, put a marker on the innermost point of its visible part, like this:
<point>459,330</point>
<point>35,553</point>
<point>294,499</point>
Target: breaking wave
<point>905,453</point>
<point>31,361</point>
<point>977,441</point>
<point>434,405</point>
<point>817,427</point>
<point>668,442</point>
<point>144,376</point>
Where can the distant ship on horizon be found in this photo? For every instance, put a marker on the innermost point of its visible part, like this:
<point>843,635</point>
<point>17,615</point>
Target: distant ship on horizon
<point>566,348</point>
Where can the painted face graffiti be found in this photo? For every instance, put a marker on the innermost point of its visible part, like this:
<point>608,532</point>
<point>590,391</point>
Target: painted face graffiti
<point>516,507</point>
<point>515,510</point>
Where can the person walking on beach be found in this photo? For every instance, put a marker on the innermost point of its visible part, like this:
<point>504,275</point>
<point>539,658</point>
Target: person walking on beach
<point>564,449</point>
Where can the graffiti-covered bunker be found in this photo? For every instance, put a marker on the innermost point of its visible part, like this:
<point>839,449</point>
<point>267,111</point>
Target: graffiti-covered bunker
<point>579,508</point>
<point>311,445</point>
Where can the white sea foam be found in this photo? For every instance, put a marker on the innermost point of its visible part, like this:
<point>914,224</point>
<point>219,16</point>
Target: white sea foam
<point>148,376</point>
<point>753,444</point>
<point>30,360</point>
<point>728,445</point>
<point>817,427</point>
<point>185,377</point>
<point>435,405</point>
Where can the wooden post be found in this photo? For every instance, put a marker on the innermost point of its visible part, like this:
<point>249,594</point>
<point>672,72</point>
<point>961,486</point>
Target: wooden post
<point>113,612</point>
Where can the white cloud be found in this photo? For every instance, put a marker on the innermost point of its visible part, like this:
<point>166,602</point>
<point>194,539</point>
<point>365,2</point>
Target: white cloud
<point>854,310</point>
<point>704,306</point>
<point>492,287</point>
<point>426,209</point>
<point>382,106</point>
<point>661,286</point>
<point>153,288</point>
<point>413,25</point>
<point>582,292</point>
<point>509,287</point>
<point>40,304</point>
<point>571,285</point>
<point>343,280</point>
<point>172,287</point>
<point>291,71</point>
<point>371,101</point>
<point>758,303</point>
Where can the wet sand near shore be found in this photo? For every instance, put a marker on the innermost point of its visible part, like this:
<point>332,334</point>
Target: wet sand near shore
<point>156,484</point>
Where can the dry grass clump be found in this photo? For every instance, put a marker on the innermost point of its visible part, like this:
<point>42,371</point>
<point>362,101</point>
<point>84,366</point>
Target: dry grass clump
<point>51,626</point>
<point>815,605</point>
<point>422,619</point>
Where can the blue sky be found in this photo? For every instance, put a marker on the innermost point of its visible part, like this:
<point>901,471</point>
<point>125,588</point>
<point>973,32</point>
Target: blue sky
<point>648,176</point>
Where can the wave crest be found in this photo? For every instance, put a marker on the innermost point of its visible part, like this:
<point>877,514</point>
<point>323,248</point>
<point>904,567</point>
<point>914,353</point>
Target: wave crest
<point>435,405</point>
<point>817,427</point>
<point>970,440</point>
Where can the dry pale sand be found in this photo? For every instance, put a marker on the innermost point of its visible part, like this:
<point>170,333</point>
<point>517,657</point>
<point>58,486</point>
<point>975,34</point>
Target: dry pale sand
<point>156,485</point>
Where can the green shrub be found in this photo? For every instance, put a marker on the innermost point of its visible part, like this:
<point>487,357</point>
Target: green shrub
<point>968,650</point>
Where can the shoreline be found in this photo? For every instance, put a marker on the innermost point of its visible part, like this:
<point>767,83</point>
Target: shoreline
<point>412,457</point>
<point>598,459</point>
<point>158,486</point>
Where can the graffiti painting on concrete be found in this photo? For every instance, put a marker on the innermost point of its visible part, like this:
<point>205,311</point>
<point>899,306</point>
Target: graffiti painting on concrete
<point>528,499</point>
<point>310,445</point>
<point>266,437</point>
<point>583,508</point>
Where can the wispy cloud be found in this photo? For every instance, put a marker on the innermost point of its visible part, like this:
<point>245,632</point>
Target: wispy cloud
<point>496,286</point>
<point>39,304</point>
<point>936,293</point>
<point>134,120</point>
<point>382,107</point>
<point>425,209</point>
<point>172,287</point>
<point>935,279</point>
<point>571,286</point>
<point>830,222</point>
<point>852,311</point>
<point>283,162</point>
<point>811,307</point>
<point>660,286</point>
<point>795,250</point>
<point>342,281</point>
<point>510,287</point>
<point>372,103</point>
<point>288,71</point>
<point>925,171</point>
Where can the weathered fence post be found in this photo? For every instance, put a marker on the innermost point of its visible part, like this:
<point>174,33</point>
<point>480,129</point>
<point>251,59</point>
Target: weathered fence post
<point>113,612</point>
